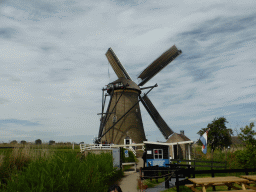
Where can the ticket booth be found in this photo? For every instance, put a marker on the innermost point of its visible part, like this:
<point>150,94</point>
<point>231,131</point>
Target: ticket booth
<point>157,153</point>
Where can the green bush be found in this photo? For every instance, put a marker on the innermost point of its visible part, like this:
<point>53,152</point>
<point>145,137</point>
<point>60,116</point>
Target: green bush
<point>131,157</point>
<point>246,157</point>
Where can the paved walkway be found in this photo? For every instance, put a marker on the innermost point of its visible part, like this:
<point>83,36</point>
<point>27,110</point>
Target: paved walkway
<point>130,181</point>
<point>161,186</point>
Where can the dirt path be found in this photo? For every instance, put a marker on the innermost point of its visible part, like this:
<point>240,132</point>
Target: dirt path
<point>130,180</point>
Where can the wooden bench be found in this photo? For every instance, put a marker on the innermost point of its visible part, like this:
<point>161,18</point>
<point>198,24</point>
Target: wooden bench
<point>215,184</point>
<point>239,191</point>
<point>131,163</point>
<point>221,184</point>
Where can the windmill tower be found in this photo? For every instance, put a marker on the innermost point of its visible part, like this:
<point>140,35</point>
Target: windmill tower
<point>122,118</point>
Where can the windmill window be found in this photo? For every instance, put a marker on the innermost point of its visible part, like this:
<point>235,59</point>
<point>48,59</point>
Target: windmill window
<point>158,153</point>
<point>114,119</point>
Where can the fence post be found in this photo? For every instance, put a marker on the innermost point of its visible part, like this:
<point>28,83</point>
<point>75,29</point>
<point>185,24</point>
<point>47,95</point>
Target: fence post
<point>177,181</point>
<point>157,174</point>
<point>213,187</point>
<point>167,182</point>
<point>140,178</point>
<point>194,174</point>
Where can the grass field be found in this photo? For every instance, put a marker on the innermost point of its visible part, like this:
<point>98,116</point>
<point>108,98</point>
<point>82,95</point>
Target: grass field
<point>54,168</point>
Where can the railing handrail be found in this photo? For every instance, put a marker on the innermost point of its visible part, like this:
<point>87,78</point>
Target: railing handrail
<point>218,162</point>
<point>83,147</point>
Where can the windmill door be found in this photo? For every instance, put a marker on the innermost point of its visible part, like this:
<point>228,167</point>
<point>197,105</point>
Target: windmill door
<point>127,141</point>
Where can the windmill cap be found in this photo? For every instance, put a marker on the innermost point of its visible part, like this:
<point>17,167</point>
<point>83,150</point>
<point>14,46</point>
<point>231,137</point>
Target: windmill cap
<point>124,81</point>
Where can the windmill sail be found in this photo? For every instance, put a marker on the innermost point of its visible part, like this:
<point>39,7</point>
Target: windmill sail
<point>161,124</point>
<point>159,64</point>
<point>116,64</point>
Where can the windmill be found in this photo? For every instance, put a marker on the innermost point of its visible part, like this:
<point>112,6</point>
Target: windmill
<point>122,118</point>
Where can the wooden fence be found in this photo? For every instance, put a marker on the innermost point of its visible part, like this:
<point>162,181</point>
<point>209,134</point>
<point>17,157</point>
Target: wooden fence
<point>177,170</point>
<point>196,163</point>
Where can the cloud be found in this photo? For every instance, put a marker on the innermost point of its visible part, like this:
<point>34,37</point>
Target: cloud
<point>54,66</point>
<point>17,122</point>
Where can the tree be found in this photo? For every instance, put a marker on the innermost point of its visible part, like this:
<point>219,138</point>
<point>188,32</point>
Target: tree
<point>14,142</point>
<point>219,136</point>
<point>247,135</point>
<point>247,157</point>
<point>38,141</point>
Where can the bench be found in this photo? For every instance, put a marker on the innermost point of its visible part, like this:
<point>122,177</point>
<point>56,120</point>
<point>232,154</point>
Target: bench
<point>240,191</point>
<point>131,163</point>
<point>220,184</point>
<point>215,184</point>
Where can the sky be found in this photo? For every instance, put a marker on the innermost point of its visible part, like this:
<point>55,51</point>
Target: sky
<point>53,64</point>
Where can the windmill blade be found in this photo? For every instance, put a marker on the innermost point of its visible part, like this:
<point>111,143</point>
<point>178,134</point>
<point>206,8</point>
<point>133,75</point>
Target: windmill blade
<point>116,64</point>
<point>159,64</point>
<point>161,124</point>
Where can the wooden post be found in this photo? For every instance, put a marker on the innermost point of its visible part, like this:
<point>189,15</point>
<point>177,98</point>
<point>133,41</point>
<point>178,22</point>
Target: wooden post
<point>177,152</point>
<point>156,174</point>
<point>226,153</point>
<point>213,188</point>
<point>194,151</point>
<point>177,181</point>
<point>167,182</point>
<point>189,156</point>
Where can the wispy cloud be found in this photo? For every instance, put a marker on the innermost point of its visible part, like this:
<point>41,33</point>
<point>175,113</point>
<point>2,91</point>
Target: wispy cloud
<point>53,63</point>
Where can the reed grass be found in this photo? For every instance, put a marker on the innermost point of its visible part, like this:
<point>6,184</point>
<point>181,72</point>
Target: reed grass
<point>31,169</point>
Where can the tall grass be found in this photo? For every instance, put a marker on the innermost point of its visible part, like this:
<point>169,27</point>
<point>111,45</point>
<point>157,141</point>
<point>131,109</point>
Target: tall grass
<point>41,170</point>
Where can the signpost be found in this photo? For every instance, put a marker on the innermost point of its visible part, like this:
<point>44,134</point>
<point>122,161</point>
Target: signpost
<point>126,154</point>
<point>116,157</point>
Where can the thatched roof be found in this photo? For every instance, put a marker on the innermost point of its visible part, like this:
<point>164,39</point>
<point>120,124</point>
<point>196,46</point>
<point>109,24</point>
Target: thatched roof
<point>175,137</point>
<point>236,141</point>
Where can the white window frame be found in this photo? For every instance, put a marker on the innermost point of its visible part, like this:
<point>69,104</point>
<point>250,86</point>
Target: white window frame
<point>154,155</point>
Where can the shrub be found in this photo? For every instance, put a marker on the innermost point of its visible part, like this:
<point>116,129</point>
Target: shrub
<point>131,157</point>
<point>247,157</point>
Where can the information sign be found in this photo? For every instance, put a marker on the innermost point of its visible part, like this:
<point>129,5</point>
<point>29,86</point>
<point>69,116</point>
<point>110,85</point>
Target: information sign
<point>126,154</point>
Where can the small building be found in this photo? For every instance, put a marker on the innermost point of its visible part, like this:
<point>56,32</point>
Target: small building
<point>181,146</point>
<point>237,143</point>
<point>157,153</point>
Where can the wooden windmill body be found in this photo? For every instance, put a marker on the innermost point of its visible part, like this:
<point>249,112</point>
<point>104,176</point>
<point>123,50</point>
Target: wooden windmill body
<point>122,118</point>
